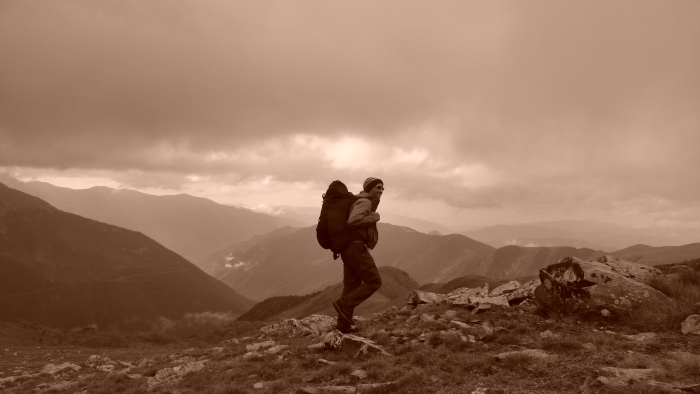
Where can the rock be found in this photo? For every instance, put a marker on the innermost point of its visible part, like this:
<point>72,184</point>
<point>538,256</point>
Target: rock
<point>96,360</point>
<point>691,325</point>
<point>258,346</point>
<point>289,328</point>
<point>426,317</point>
<point>462,295</point>
<point>258,386</point>
<point>183,360</point>
<point>217,349</point>
<point>506,288</point>
<point>56,386</point>
<point>416,297</point>
<point>645,336</point>
<point>231,341</point>
<point>316,346</point>
<point>252,355</point>
<point>276,348</point>
<point>377,388</point>
<point>353,345</point>
<point>547,334</point>
<point>573,285</point>
<point>359,373</point>
<point>450,314</point>
<point>533,353</point>
<point>526,291</point>
<point>589,346</point>
<point>605,313</point>
<point>319,324</point>
<point>459,324</point>
<point>324,361</point>
<point>637,272</point>
<point>488,328</point>
<point>54,369</point>
<point>173,375</point>
<point>108,368</point>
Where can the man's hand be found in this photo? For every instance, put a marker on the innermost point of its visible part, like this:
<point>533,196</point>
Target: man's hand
<point>375,215</point>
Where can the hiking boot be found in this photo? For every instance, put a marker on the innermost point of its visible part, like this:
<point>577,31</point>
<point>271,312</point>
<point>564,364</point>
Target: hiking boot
<point>344,313</point>
<point>348,329</point>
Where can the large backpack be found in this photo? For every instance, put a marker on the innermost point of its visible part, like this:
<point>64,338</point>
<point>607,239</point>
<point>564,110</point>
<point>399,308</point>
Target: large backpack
<point>332,230</point>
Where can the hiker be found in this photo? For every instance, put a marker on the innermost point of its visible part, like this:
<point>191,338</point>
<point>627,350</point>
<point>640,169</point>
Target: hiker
<point>360,275</point>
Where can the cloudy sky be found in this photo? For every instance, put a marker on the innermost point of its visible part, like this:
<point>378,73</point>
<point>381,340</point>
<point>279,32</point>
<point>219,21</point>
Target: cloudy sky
<point>473,112</point>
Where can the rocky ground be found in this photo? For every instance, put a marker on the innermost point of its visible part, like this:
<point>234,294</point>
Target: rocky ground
<point>437,347</point>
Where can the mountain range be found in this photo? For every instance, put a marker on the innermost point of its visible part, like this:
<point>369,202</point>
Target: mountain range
<point>309,216</point>
<point>192,227</point>
<point>290,261</point>
<point>577,233</point>
<point>64,270</point>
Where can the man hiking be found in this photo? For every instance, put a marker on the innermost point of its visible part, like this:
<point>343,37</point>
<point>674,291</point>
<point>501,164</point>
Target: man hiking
<point>360,275</point>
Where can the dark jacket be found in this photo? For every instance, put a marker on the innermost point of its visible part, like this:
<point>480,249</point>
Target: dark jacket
<point>364,220</point>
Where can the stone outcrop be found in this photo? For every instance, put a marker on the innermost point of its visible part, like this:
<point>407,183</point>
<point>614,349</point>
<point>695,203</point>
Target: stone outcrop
<point>505,288</point>
<point>691,325</point>
<point>526,291</point>
<point>95,360</point>
<point>416,297</point>
<point>173,375</point>
<point>573,285</point>
<point>637,272</point>
<point>52,369</point>
<point>310,325</point>
<point>353,345</point>
<point>259,346</point>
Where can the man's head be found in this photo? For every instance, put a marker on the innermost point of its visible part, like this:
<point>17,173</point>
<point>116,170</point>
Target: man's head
<point>373,186</point>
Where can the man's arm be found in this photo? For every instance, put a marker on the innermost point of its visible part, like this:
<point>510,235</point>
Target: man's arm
<point>361,214</point>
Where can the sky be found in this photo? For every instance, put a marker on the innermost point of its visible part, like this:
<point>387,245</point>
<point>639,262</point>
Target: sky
<point>472,112</point>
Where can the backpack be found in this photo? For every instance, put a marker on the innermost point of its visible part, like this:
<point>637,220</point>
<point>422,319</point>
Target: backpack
<point>332,230</point>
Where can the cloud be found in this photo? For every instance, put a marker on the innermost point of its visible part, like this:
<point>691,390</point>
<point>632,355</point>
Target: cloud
<point>477,104</point>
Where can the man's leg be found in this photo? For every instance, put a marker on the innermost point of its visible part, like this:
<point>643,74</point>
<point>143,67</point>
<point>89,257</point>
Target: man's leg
<point>358,259</point>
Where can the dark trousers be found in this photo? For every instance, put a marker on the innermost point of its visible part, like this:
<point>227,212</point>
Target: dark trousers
<point>360,275</point>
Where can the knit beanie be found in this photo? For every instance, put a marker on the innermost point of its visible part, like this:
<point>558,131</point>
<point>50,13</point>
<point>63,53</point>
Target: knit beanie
<point>370,183</point>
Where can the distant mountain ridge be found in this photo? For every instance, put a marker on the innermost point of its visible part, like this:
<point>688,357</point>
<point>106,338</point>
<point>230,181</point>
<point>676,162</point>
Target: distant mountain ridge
<point>191,226</point>
<point>63,270</point>
<point>309,215</point>
<point>587,234</point>
<point>294,264</point>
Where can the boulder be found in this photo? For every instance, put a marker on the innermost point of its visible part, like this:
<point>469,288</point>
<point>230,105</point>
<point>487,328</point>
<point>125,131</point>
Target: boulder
<point>54,369</point>
<point>96,360</point>
<point>259,346</point>
<point>636,272</point>
<point>288,328</point>
<point>526,291</point>
<point>167,376</point>
<point>573,285</point>
<point>252,355</point>
<point>505,288</point>
<point>319,324</point>
<point>353,345</point>
<point>462,295</point>
<point>416,297</point>
<point>644,336</point>
<point>691,325</point>
<point>426,317</point>
<point>276,349</point>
